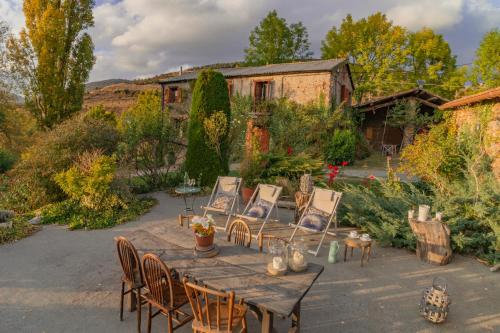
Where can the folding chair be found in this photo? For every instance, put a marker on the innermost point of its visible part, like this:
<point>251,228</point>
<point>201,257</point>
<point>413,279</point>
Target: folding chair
<point>324,203</point>
<point>224,196</point>
<point>266,195</point>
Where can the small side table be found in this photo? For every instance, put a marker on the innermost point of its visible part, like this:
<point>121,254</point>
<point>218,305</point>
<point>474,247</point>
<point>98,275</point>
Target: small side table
<point>186,191</point>
<point>365,246</point>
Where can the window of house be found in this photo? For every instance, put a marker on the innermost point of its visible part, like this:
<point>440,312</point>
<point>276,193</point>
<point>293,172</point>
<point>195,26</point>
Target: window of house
<point>174,95</point>
<point>263,91</point>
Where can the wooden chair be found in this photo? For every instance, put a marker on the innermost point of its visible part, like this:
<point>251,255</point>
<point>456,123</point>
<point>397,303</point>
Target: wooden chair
<point>165,294</point>
<point>132,276</point>
<point>262,237</point>
<point>242,234</point>
<point>215,311</point>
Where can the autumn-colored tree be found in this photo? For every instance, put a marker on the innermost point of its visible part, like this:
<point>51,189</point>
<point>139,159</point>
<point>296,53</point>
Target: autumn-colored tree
<point>486,67</point>
<point>273,41</point>
<point>53,56</point>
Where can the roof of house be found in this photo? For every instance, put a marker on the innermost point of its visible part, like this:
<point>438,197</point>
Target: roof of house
<point>476,98</point>
<point>423,96</point>
<point>312,66</point>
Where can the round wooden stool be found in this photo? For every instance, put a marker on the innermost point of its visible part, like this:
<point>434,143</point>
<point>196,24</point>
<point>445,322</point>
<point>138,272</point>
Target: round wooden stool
<point>365,246</point>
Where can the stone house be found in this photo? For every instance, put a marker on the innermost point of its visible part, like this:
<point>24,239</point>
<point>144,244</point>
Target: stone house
<point>325,81</point>
<point>374,126</point>
<point>465,113</point>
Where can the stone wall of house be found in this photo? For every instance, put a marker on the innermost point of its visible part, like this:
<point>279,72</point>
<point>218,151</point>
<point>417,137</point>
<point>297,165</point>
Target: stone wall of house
<point>468,116</point>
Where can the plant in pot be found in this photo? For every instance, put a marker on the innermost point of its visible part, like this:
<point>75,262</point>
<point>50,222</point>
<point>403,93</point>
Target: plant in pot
<point>204,231</point>
<point>250,171</point>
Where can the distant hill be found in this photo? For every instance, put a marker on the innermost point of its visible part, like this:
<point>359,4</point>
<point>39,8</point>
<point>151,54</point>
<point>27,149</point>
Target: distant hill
<point>104,83</point>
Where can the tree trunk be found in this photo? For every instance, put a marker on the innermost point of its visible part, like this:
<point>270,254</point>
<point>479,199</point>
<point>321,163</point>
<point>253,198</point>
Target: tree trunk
<point>433,241</point>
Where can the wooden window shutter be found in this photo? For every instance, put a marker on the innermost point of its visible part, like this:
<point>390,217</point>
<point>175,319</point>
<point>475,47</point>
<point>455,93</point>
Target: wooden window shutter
<point>178,97</point>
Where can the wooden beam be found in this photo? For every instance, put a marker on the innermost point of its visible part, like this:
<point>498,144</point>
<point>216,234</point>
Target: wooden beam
<point>423,101</point>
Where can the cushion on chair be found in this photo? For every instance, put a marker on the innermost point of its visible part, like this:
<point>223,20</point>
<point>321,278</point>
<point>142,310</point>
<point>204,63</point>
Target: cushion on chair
<point>313,221</point>
<point>260,209</point>
<point>222,201</point>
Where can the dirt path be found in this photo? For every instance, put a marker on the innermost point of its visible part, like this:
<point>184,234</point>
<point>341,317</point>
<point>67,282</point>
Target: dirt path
<point>68,281</point>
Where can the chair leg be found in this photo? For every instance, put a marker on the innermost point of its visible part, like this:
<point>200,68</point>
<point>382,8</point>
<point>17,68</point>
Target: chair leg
<point>138,310</point>
<point>170,325</point>
<point>121,300</point>
<point>149,317</point>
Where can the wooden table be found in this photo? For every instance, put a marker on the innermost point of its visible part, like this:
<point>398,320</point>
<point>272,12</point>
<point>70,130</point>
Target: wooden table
<point>365,246</point>
<point>235,268</point>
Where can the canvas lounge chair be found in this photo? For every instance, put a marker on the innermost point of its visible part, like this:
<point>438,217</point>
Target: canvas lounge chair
<point>224,197</point>
<point>262,203</point>
<point>318,215</point>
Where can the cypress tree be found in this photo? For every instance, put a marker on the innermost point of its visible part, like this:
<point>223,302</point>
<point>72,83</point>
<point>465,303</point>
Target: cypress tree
<point>210,95</point>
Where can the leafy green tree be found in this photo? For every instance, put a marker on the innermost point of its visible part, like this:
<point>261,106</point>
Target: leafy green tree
<point>430,59</point>
<point>273,41</point>
<point>53,56</point>
<point>148,138</point>
<point>387,58</point>
<point>375,48</point>
<point>486,67</point>
<point>210,95</point>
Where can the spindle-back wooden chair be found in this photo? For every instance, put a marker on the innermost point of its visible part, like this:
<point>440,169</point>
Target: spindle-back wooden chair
<point>264,240</point>
<point>215,311</point>
<point>240,232</point>
<point>165,293</point>
<point>132,276</point>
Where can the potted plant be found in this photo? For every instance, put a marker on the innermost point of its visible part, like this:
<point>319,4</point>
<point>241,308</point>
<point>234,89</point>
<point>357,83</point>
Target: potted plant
<point>204,230</point>
<point>250,171</point>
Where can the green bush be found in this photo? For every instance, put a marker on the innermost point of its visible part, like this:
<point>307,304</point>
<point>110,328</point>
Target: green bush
<point>92,184</point>
<point>140,185</point>
<point>148,144</point>
<point>70,213</point>
<point>99,112</point>
<point>342,147</point>
<point>210,95</point>
<point>7,160</point>
<point>241,106</point>
<point>31,182</point>
<point>20,229</point>
<point>291,167</point>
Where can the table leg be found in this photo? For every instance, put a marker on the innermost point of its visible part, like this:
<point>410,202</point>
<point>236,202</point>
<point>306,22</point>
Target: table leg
<point>267,321</point>
<point>369,253</point>
<point>296,319</point>
<point>352,251</point>
<point>362,255</point>
<point>345,252</point>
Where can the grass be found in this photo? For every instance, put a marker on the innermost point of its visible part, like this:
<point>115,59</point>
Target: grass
<point>375,161</point>
<point>20,228</point>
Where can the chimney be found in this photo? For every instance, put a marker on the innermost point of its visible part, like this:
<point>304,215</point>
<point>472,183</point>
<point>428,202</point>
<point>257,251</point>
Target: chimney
<point>180,72</point>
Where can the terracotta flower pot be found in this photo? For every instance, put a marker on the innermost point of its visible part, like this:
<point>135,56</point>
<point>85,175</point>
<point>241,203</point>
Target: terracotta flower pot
<point>203,242</point>
<point>246,193</point>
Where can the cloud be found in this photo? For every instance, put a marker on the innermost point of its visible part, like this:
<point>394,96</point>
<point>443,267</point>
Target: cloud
<point>429,13</point>
<point>134,38</point>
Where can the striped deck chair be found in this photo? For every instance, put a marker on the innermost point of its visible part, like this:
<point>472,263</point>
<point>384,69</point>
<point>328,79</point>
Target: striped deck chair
<point>318,215</point>
<point>224,197</point>
<point>260,206</point>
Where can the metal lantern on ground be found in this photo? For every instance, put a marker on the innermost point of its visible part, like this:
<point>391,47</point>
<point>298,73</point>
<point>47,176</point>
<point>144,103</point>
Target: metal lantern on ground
<point>435,301</point>
<point>297,260</point>
<point>277,257</point>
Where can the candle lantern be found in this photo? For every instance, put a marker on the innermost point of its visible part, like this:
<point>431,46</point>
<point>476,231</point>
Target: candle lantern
<point>297,260</point>
<point>277,257</point>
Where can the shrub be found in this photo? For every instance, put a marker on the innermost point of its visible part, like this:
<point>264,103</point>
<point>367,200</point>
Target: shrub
<point>210,95</point>
<point>99,112</point>
<point>342,147</point>
<point>148,139</point>
<point>7,160</point>
<point>91,183</point>
<point>31,184</point>
<point>20,229</point>
<point>241,106</point>
<point>141,185</point>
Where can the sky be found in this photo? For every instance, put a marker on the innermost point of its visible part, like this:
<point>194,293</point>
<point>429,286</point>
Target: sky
<point>141,38</point>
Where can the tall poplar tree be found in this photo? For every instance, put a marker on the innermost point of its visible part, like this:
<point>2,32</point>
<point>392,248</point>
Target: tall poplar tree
<point>486,67</point>
<point>53,57</point>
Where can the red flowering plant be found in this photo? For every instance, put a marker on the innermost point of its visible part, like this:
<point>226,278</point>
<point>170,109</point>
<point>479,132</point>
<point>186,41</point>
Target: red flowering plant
<point>334,171</point>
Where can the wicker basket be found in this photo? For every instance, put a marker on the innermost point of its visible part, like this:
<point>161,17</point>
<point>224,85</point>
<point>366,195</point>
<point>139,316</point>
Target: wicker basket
<point>435,301</point>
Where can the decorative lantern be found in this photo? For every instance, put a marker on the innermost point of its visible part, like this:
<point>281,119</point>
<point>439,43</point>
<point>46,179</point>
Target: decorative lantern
<point>435,301</point>
<point>297,260</point>
<point>277,257</point>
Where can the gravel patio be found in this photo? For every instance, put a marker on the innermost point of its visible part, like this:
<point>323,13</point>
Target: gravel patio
<point>69,281</point>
